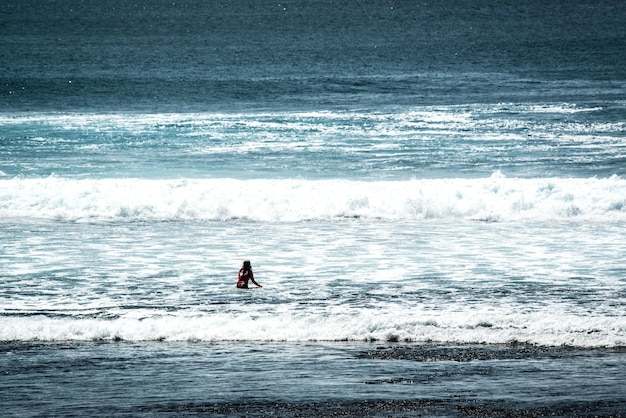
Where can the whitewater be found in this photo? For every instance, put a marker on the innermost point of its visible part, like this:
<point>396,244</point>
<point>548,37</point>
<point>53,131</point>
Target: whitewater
<point>492,199</point>
<point>547,283</point>
<point>465,224</point>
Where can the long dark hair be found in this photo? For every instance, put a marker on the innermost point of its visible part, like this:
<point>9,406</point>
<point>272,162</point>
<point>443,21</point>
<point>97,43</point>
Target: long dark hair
<point>246,266</point>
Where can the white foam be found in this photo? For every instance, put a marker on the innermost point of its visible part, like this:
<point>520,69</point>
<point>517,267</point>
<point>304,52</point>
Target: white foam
<point>494,199</point>
<point>389,122</point>
<point>548,328</point>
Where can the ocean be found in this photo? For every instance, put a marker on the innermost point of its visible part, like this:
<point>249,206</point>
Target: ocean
<point>432,194</point>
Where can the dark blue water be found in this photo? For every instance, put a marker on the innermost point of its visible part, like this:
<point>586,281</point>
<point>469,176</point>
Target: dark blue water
<point>431,192</point>
<point>182,55</point>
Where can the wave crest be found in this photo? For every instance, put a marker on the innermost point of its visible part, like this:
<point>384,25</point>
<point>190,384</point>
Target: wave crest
<point>488,199</point>
<point>540,328</point>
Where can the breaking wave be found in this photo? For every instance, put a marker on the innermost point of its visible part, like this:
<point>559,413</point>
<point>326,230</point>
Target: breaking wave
<point>496,198</point>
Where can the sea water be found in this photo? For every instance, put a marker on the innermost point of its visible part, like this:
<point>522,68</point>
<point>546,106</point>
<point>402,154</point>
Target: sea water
<point>434,203</point>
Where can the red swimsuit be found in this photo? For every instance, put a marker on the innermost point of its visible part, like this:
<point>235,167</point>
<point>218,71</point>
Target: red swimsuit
<point>243,278</point>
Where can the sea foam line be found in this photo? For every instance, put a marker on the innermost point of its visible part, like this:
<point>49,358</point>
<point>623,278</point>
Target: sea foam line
<point>540,328</point>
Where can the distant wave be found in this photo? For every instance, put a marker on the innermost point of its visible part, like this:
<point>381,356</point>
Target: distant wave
<point>389,121</point>
<point>524,140</point>
<point>486,199</point>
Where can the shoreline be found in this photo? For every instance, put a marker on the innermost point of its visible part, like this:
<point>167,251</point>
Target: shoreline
<point>379,349</point>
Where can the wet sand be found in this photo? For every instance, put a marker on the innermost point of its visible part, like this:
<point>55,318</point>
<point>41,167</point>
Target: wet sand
<point>393,408</point>
<point>481,352</point>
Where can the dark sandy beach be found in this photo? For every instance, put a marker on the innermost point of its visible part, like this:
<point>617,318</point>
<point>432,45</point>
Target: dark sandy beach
<point>392,408</point>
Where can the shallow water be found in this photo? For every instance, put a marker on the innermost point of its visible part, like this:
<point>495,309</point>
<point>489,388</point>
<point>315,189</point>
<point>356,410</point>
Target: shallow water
<point>471,282</point>
<point>196,378</point>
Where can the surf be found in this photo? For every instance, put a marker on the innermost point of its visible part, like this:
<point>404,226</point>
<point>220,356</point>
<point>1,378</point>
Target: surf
<point>496,198</point>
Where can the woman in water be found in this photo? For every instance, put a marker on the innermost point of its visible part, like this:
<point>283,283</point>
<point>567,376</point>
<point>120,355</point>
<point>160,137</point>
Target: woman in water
<point>245,275</point>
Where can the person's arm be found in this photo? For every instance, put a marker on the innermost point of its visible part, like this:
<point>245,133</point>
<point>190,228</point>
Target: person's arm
<point>254,281</point>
